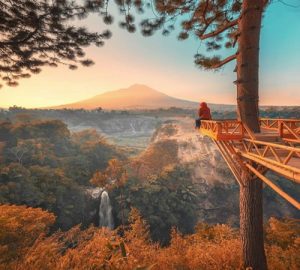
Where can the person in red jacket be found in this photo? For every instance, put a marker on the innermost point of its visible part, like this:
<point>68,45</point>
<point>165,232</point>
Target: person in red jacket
<point>203,113</point>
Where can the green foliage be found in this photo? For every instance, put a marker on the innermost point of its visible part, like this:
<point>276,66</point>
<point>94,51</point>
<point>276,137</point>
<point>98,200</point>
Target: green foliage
<point>92,153</point>
<point>281,112</point>
<point>167,201</point>
<point>53,130</point>
<point>43,187</point>
<point>45,166</point>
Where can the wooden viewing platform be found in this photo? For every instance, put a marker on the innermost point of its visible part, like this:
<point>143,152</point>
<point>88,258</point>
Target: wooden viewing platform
<point>276,148</point>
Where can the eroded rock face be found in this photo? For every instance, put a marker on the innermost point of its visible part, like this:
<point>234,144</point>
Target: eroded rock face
<point>195,151</point>
<point>91,206</point>
<point>124,130</point>
<point>219,191</point>
<point>176,142</point>
<point>218,202</point>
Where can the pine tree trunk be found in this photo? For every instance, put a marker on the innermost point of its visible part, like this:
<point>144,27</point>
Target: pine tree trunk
<point>248,63</point>
<point>251,224</point>
<point>251,211</point>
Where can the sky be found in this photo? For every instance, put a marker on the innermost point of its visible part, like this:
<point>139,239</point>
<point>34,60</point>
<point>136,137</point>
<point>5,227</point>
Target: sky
<point>166,64</point>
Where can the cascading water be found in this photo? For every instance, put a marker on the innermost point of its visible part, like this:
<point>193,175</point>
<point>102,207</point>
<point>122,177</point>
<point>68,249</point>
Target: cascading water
<point>105,212</point>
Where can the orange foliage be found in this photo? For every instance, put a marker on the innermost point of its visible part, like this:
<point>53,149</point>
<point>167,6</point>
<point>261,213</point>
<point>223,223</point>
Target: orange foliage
<point>20,226</point>
<point>283,244</point>
<point>115,175</point>
<point>210,247</point>
<point>158,156</point>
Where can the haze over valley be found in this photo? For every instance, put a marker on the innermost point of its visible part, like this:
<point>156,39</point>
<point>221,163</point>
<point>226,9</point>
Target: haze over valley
<point>54,158</point>
<point>159,139</point>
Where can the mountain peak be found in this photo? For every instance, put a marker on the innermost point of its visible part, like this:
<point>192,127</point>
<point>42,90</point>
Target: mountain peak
<point>139,89</point>
<point>136,96</point>
<point>139,85</point>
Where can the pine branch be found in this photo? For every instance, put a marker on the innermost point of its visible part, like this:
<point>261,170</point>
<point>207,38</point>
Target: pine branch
<point>205,10</point>
<point>219,30</point>
<point>16,42</point>
<point>39,20</point>
<point>224,62</point>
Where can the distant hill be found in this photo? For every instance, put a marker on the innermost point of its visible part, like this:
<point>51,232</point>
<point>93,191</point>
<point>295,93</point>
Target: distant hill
<point>137,96</point>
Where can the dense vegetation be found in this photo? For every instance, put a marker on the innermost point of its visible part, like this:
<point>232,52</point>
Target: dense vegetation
<point>26,244</point>
<point>165,200</point>
<point>43,165</point>
<point>76,116</point>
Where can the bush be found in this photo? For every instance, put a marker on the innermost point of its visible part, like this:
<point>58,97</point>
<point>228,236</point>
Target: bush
<point>20,226</point>
<point>210,247</point>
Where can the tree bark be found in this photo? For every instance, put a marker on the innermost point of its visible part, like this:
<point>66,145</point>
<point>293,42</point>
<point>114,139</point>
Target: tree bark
<point>248,62</point>
<point>251,224</point>
<point>251,209</point>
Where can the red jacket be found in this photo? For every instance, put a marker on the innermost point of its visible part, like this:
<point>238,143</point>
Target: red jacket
<point>204,112</point>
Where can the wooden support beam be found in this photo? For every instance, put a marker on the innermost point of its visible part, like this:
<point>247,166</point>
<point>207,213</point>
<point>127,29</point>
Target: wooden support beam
<point>275,145</point>
<point>229,163</point>
<point>274,187</point>
<point>269,149</point>
<point>286,171</point>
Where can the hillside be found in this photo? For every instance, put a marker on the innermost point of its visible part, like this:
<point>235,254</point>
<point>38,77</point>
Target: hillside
<point>134,97</point>
<point>137,96</point>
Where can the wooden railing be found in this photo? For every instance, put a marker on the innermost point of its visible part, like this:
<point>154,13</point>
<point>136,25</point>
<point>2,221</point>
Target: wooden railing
<point>223,129</point>
<point>270,124</point>
<point>288,129</point>
<point>278,157</point>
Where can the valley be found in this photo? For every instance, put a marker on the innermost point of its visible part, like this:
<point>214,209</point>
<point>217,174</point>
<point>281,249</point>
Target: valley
<point>155,143</point>
<point>176,178</point>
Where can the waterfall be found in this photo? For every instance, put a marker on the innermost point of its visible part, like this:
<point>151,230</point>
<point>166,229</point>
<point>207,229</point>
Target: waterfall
<point>105,212</point>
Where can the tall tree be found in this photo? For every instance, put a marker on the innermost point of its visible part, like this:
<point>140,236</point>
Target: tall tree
<point>229,24</point>
<point>36,33</point>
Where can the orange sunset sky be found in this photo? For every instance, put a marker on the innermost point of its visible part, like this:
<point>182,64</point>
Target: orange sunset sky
<point>166,64</point>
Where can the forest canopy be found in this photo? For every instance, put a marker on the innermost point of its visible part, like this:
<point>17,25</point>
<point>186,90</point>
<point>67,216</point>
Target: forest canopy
<point>44,165</point>
<point>210,247</point>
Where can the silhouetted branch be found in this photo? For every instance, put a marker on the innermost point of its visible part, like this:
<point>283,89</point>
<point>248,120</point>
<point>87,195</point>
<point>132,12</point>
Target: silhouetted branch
<point>224,62</point>
<point>219,30</point>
